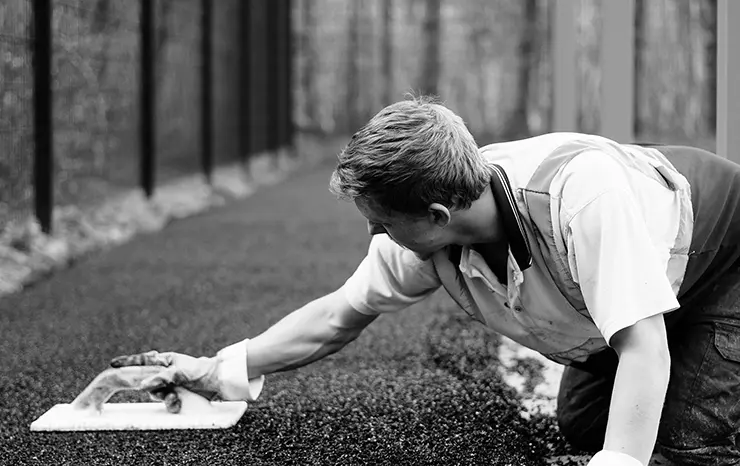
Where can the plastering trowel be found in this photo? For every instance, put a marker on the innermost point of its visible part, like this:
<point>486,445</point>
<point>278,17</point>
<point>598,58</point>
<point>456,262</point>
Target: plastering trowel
<point>89,411</point>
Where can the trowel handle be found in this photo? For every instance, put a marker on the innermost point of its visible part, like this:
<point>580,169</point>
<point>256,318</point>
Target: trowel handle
<point>113,380</point>
<point>191,402</point>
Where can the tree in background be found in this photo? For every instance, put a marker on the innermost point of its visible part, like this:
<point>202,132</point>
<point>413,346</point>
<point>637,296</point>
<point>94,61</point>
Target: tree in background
<point>480,38</point>
<point>353,70</point>
<point>432,63</point>
<point>640,21</point>
<point>491,62</point>
<point>387,52</point>
<point>308,62</point>
<point>517,123</point>
<point>709,24</point>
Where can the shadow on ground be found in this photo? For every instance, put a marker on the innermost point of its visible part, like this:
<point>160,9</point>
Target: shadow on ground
<point>420,387</point>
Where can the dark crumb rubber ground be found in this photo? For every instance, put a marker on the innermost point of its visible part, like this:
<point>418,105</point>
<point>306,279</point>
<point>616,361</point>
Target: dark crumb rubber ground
<point>416,388</point>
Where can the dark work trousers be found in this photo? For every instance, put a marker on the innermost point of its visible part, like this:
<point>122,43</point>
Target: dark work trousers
<point>700,423</point>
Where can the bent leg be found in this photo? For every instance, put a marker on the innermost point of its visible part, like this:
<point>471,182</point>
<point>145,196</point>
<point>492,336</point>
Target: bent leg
<point>700,424</point>
<point>583,401</point>
<point>701,418</point>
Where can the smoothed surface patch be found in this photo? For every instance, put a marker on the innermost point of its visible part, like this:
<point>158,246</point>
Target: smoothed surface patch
<point>420,387</point>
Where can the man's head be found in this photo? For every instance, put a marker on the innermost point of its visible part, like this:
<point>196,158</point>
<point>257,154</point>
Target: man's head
<point>409,169</point>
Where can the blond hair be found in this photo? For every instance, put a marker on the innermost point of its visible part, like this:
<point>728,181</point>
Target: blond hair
<point>411,154</point>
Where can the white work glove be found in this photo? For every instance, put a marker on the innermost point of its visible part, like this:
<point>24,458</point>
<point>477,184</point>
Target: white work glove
<point>613,458</point>
<point>223,376</point>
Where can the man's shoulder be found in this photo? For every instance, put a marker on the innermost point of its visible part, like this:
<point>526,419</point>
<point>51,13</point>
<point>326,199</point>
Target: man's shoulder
<point>521,158</point>
<point>586,177</point>
<point>542,144</point>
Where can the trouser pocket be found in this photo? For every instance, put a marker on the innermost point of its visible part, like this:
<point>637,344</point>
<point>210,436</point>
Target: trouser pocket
<point>701,417</point>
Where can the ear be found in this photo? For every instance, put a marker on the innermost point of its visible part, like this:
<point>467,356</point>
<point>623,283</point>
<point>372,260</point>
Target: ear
<point>439,214</point>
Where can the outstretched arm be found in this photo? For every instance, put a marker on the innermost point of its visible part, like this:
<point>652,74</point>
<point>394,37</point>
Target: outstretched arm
<point>388,279</point>
<point>318,329</point>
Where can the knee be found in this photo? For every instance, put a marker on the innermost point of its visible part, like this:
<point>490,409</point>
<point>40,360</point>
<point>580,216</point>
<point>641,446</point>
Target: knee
<point>701,415</point>
<point>584,429</point>
<point>583,409</point>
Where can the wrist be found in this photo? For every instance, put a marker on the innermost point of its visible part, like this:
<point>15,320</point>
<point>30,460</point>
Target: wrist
<point>232,374</point>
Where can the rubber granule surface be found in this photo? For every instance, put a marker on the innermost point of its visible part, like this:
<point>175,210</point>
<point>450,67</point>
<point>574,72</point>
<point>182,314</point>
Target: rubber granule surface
<point>418,387</point>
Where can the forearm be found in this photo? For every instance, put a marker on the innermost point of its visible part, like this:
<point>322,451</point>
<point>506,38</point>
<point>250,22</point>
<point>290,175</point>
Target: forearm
<point>302,337</point>
<point>637,402</point>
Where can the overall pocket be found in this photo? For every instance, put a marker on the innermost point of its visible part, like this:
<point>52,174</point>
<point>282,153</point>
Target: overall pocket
<point>703,403</point>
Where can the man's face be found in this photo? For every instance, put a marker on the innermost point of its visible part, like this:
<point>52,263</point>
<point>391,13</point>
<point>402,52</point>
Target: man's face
<point>422,235</point>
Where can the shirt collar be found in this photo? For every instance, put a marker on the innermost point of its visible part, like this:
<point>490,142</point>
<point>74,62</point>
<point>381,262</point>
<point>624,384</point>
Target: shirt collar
<point>512,222</point>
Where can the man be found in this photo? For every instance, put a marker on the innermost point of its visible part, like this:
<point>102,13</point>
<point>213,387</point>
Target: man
<point>620,261</point>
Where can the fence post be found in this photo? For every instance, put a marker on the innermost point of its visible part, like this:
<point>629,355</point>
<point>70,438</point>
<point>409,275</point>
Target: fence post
<point>207,89</point>
<point>282,52</point>
<point>245,103</point>
<point>728,72</point>
<point>617,70</point>
<point>565,102</point>
<point>288,61</point>
<point>43,170</point>
<point>148,103</point>
<point>273,81</point>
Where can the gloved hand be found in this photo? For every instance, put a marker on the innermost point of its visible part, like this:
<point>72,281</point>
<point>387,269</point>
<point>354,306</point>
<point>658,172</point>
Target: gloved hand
<point>199,375</point>
<point>223,376</point>
<point>613,458</point>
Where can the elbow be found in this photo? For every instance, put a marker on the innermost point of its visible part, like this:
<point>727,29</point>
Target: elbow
<point>342,334</point>
<point>344,322</point>
<point>341,329</point>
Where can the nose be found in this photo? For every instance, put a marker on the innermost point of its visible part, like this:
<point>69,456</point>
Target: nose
<point>375,228</point>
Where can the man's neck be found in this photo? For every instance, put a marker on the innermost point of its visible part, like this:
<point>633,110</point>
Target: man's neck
<point>481,223</point>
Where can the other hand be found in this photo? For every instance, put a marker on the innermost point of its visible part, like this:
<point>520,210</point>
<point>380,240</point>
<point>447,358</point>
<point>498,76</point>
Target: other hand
<point>613,458</point>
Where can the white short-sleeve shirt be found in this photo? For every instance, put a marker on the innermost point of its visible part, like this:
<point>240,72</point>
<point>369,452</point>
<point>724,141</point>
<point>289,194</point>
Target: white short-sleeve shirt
<point>619,228</point>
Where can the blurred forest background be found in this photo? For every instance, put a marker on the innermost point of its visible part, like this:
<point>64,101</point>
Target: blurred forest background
<point>489,60</point>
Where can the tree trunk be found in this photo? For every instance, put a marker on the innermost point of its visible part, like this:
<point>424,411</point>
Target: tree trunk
<point>350,113</point>
<point>310,58</point>
<point>547,71</point>
<point>685,102</point>
<point>432,59</point>
<point>640,21</point>
<point>709,23</point>
<point>517,124</point>
<point>387,52</point>
<point>476,37</point>
<point>368,86</point>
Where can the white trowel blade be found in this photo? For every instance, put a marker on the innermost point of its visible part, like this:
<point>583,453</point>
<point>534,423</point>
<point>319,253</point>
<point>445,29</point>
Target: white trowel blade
<point>140,416</point>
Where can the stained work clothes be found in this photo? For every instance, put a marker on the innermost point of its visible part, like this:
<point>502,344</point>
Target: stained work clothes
<point>700,422</point>
<point>590,213</point>
<point>601,235</point>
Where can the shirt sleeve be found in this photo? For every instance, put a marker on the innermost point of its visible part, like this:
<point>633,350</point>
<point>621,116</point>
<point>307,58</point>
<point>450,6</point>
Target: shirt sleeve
<point>389,279</point>
<point>620,271</point>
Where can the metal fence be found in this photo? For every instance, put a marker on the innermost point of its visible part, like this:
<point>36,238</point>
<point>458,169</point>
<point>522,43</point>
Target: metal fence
<point>98,96</point>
